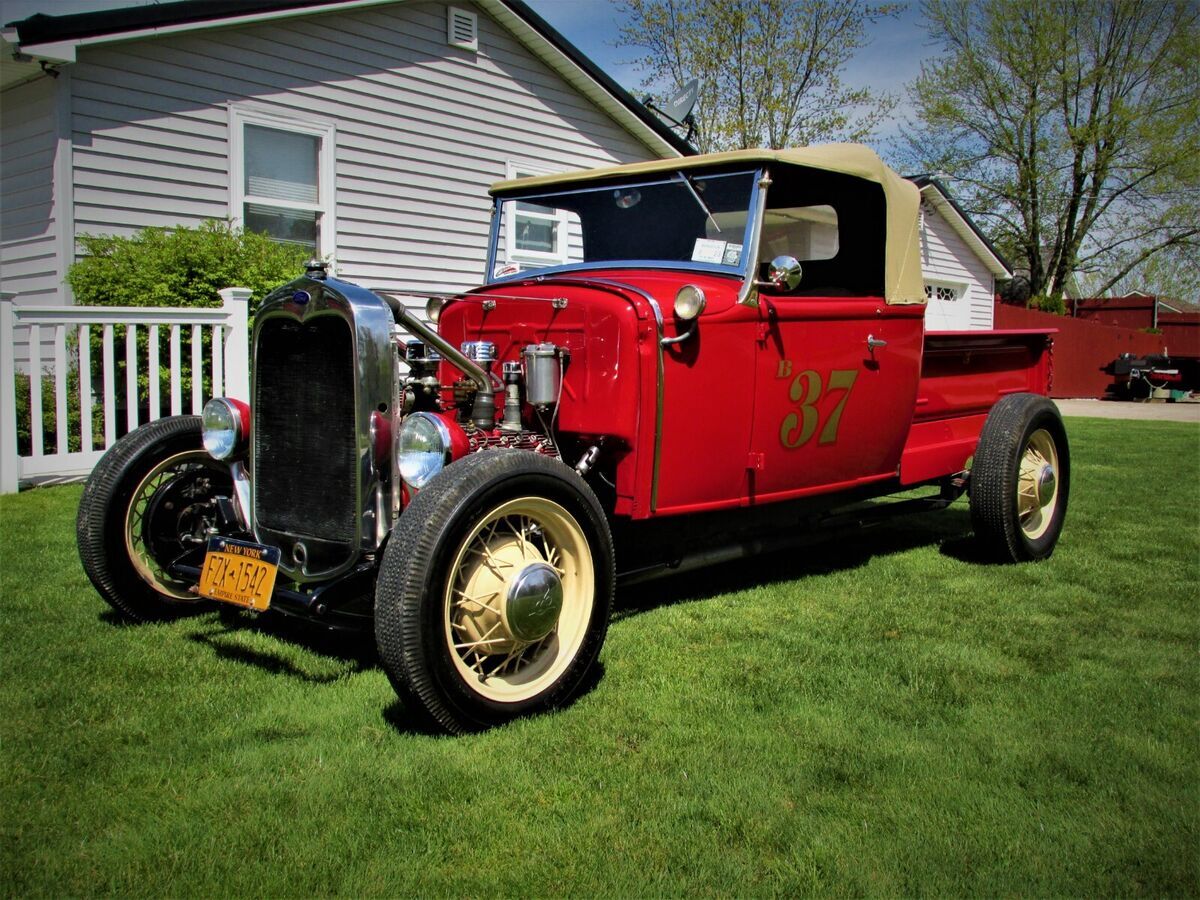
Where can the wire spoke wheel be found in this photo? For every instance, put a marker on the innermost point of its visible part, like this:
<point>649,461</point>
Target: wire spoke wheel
<point>493,596</point>
<point>149,501</point>
<point>154,520</point>
<point>519,599</point>
<point>1037,484</point>
<point>1020,479</point>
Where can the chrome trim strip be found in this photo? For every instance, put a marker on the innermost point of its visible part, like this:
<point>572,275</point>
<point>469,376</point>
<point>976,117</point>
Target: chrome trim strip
<point>493,241</point>
<point>748,295</point>
<point>567,268</point>
<point>619,285</point>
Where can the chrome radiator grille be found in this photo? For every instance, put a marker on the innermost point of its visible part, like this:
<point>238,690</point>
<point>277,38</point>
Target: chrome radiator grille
<point>304,429</point>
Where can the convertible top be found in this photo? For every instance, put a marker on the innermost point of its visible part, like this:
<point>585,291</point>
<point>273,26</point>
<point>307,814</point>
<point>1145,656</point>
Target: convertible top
<point>903,282</point>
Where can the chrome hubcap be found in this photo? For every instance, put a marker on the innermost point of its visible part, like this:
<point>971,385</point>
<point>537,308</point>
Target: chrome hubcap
<point>1047,481</point>
<point>535,598</point>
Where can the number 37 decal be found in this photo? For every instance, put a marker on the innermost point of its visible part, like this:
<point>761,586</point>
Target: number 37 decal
<point>806,391</point>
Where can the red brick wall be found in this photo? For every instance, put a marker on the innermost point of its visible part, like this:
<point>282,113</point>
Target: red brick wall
<point>1082,349</point>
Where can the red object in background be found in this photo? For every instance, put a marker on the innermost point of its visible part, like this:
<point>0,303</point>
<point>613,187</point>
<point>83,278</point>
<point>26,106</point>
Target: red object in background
<point>1180,331</point>
<point>1082,349</point>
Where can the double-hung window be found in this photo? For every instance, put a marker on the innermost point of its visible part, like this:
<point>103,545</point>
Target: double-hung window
<point>282,178</point>
<point>535,235</point>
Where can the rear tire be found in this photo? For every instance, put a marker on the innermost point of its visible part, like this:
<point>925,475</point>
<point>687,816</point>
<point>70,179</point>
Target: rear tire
<point>495,591</point>
<point>147,502</point>
<point>1020,479</point>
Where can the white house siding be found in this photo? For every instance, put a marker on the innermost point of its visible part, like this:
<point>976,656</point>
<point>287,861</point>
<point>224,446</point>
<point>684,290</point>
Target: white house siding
<point>948,261</point>
<point>422,129</point>
<point>29,219</point>
<point>31,209</point>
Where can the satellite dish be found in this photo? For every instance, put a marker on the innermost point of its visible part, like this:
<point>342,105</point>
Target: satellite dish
<point>678,113</point>
<point>680,106</point>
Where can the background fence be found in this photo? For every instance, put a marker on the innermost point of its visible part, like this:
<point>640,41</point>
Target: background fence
<point>1082,349</point>
<point>96,373</point>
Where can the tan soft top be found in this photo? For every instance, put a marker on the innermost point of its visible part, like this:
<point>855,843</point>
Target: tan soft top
<point>902,267</point>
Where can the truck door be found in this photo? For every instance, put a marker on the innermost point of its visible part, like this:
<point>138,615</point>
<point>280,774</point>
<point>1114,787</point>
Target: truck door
<point>836,380</point>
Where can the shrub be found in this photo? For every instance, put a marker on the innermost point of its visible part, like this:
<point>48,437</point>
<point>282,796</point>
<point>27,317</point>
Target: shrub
<point>174,267</point>
<point>181,266</point>
<point>50,435</point>
<point>1054,304</point>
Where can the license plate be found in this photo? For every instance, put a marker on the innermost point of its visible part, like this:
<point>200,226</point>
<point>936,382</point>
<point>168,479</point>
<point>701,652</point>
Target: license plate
<point>239,572</point>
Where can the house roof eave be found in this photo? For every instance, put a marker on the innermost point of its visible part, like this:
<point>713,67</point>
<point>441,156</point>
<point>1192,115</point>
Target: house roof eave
<point>937,194</point>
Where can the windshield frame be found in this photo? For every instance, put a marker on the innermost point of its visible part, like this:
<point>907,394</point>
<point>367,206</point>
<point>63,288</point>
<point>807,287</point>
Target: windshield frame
<point>742,271</point>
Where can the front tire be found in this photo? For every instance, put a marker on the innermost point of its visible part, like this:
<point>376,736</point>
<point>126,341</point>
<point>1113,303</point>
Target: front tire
<point>1020,479</point>
<point>147,502</point>
<point>495,591</point>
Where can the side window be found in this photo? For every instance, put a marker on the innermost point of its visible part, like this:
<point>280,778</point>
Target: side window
<point>535,235</point>
<point>805,232</point>
<point>281,174</point>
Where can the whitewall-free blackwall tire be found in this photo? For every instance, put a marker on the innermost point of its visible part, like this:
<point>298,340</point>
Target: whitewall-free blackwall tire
<point>495,590</point>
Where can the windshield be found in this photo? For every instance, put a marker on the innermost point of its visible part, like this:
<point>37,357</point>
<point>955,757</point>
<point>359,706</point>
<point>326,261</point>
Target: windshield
<point>693,221</point>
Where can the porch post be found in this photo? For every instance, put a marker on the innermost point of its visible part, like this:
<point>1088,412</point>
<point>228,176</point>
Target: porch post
<point>9,461</point>
<point>237,342</point>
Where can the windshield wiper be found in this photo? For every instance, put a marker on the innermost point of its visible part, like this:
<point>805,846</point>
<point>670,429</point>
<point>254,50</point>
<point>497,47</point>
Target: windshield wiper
<point>687,181</point>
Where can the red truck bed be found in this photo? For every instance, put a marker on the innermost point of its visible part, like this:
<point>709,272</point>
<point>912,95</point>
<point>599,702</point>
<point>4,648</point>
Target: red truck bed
<point>963,374</point>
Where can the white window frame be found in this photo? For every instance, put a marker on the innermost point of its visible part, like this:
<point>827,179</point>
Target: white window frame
<point>326,208</point>
<point>534,257</point>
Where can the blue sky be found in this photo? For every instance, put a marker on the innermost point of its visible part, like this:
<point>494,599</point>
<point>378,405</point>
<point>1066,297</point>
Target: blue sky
<point>892,58</point>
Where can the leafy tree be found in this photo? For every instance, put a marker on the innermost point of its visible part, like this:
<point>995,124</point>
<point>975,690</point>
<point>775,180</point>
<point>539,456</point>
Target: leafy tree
<point>769,70</point>
<point>1070,128</point>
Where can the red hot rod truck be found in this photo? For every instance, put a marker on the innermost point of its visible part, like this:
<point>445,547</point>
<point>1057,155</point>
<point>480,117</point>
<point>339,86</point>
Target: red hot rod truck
<point>713,356</point>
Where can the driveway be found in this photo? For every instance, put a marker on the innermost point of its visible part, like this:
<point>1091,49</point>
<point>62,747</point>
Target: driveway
<point>1116,409</point>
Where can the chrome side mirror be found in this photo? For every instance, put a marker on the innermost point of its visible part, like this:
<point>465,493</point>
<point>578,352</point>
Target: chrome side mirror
<point>784,273</point>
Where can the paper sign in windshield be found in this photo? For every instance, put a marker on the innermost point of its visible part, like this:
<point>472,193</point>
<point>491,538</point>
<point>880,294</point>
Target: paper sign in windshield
<point>719,252</point>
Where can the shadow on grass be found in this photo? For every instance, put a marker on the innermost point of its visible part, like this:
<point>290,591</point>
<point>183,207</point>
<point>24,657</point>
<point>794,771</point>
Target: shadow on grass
<point>413,720</point>
<point>355,650</point>
<point>947,529</point>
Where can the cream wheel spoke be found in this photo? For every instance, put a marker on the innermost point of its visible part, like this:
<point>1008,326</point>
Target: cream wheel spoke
<point>478,601</point>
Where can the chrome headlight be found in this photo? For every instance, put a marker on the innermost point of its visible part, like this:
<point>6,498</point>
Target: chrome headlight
<point>689,302</point>
<point>424,449</point>
<point>221,427</point>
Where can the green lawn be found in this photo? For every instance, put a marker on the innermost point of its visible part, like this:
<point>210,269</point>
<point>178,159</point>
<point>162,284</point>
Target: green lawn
<point>888,718</point>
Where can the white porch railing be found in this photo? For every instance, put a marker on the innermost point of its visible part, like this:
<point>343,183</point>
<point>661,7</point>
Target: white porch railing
<point>69,330</point>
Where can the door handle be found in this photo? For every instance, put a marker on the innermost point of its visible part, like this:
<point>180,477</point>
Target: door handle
<point>874,343</point>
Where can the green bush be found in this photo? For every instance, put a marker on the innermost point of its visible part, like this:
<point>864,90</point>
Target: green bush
<point>50,436</point>
<point>1054,304</point>
<point>172,267</point>
<point>181,266</point>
